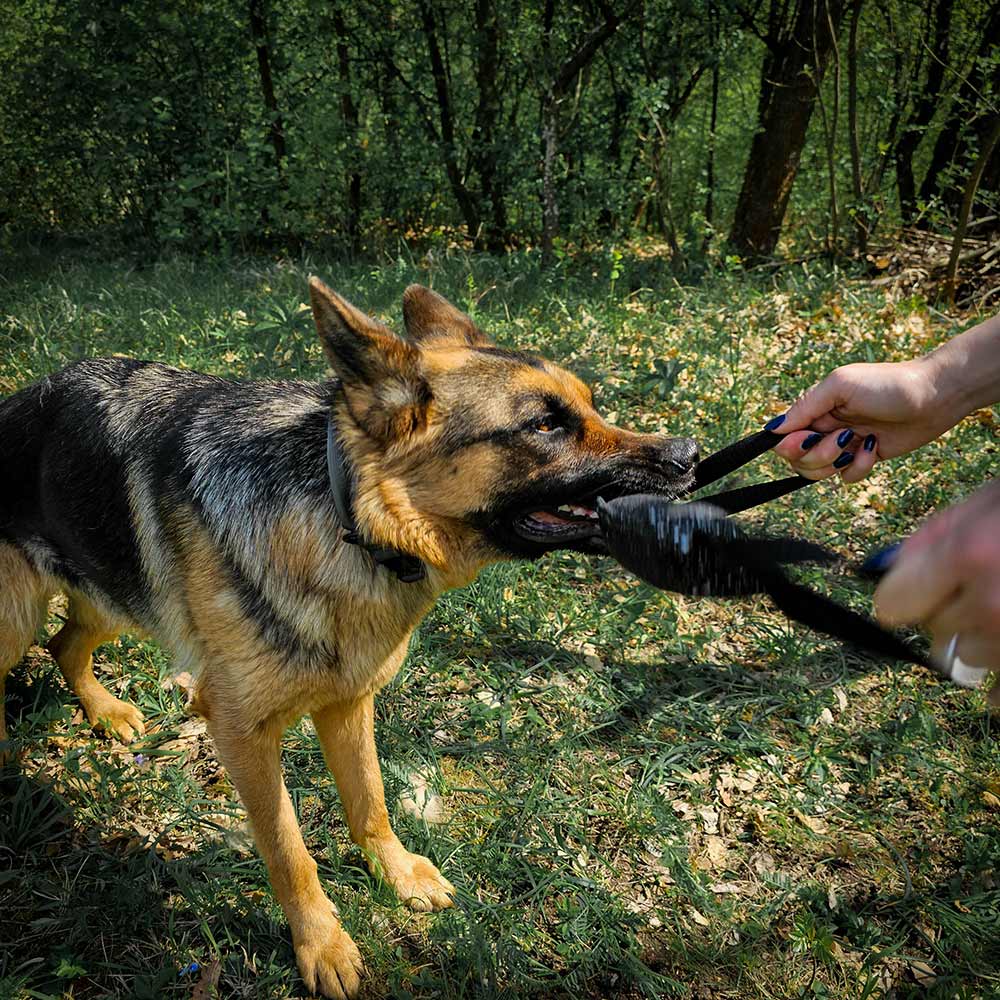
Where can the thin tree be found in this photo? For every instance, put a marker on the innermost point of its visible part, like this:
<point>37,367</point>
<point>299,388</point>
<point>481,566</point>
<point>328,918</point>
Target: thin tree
<point>562,77</point>
<point>798,39</point>
<point>830,136</point>
<point>950,284</point>
<point>929,99</point>
<point>712,125</point>
<point>276,129</point>
<point>468,205</point>
<point>349,115</point>
<point>484,153</point>
<point>860,210</point>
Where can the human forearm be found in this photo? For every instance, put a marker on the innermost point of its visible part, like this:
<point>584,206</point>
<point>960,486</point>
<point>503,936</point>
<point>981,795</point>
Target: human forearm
<point>966,369</point>
<point>861,413</point>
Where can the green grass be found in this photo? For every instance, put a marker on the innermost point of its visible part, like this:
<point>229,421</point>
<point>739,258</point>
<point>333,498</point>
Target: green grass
<point>646,795</point>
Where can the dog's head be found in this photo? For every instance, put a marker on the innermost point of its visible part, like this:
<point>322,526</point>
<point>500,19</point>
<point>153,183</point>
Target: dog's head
<point>464,452</point>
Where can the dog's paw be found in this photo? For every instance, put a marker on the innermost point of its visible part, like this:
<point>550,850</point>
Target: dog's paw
<point>108,713</point>
<point>417,882</point>
<point>331,964</point>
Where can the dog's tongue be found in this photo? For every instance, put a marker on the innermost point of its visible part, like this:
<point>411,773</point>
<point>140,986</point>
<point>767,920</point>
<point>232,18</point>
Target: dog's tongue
<point>566,514</point>
<point>546,518</point>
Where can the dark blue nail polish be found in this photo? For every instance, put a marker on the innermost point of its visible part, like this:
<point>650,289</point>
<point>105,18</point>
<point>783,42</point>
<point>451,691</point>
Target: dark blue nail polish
<point>870,442</point>
<point>812,440</point>
<point>844,459</point>
<point>844,436</point>
<point>880,562</point>
<point>775,423</point>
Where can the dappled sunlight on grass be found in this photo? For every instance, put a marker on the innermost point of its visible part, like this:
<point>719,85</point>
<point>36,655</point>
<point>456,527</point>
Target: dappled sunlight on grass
<point>640,794</point>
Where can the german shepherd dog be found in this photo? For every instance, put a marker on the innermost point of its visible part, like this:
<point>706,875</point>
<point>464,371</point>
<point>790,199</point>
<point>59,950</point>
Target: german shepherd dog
<point>199,510</point>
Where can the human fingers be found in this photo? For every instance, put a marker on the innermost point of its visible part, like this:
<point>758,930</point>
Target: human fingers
<point>790,447</point>
<point>798,444</point>
<point>921,581</point>
<point>864,461</point>
<point>974,609</point>
<point>817,402</point>
<point>979,651</point>
<point>822,453</point>
<point>961,665</point>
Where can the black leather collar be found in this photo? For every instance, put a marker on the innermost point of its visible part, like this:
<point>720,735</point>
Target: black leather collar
<point>409,569</point>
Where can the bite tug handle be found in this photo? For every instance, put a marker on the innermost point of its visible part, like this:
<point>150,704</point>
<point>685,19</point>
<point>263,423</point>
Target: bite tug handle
<point>733,501</point>
<point>733,456</point>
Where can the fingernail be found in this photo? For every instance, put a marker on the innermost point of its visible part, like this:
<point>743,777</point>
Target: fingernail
<point>844,459</point>
<point>775,423</point>
<point>843,437</point>
<point>870,442</point>
<point>811,440</point>
<point>877,563</point>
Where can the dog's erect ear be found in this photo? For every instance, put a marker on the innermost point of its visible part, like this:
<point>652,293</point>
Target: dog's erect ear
<point>359,348</point>
<point>380,372</point>
<point>431,319</point>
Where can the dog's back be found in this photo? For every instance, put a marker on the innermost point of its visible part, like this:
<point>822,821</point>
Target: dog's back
<point>95,458</point>
<point>68,445</point>
<point>126,482</point>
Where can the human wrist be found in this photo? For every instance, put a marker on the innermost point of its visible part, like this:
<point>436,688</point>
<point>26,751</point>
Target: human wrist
<point>946,391</point>
<point>966,369</point>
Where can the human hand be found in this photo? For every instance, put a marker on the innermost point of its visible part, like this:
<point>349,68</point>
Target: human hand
<point>946,578</point>
<point>861,413</point>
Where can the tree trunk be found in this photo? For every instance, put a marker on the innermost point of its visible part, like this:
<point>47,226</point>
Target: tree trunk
<point>989,145</point>
<point>466,202</point>
<point>387,80</point>
<point>857,182</point>
<point>930,99</point>
<point>607,218</point>
<point>830,134</point>
<point>897,101</point>
<point>258,30</point>
<point>791,73</point>
<point>349,114</point>
<point>712,124</point>
<point>485,145</point>
<point>550,203</point>
<point>561,80</point>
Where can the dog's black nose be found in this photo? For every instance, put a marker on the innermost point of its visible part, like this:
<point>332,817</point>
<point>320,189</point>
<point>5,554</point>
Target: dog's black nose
<point>680,454</point>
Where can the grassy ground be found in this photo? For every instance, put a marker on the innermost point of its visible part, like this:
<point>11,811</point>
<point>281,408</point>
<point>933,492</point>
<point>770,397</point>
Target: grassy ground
<point>636,794</point>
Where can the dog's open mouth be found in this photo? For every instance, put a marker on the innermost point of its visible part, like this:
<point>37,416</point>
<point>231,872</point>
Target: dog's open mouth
<point>563,515</point>
<point>569,522</point>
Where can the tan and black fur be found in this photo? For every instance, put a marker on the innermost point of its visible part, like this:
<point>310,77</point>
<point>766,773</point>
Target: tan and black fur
<point>198,510</point>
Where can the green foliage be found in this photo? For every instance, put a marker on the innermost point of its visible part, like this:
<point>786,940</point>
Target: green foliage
<point>147,122</point>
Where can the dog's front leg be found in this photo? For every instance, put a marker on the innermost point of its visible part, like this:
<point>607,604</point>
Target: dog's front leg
<point>347,733</point>
<point>328,959</point>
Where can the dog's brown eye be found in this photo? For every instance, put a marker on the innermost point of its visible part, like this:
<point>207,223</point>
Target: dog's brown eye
<point>547,424</point>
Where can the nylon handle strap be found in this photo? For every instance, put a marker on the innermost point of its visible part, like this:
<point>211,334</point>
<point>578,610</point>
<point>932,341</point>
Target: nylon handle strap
<point>735,456</point>
<point>733,501</point>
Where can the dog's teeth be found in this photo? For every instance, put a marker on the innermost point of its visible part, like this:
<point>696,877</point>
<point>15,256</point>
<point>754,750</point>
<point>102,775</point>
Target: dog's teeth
<point>565,508</point>
<point>593,515</point>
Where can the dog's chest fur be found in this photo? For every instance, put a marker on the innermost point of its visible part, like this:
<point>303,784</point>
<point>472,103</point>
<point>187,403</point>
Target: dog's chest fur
<point>216,530</point>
